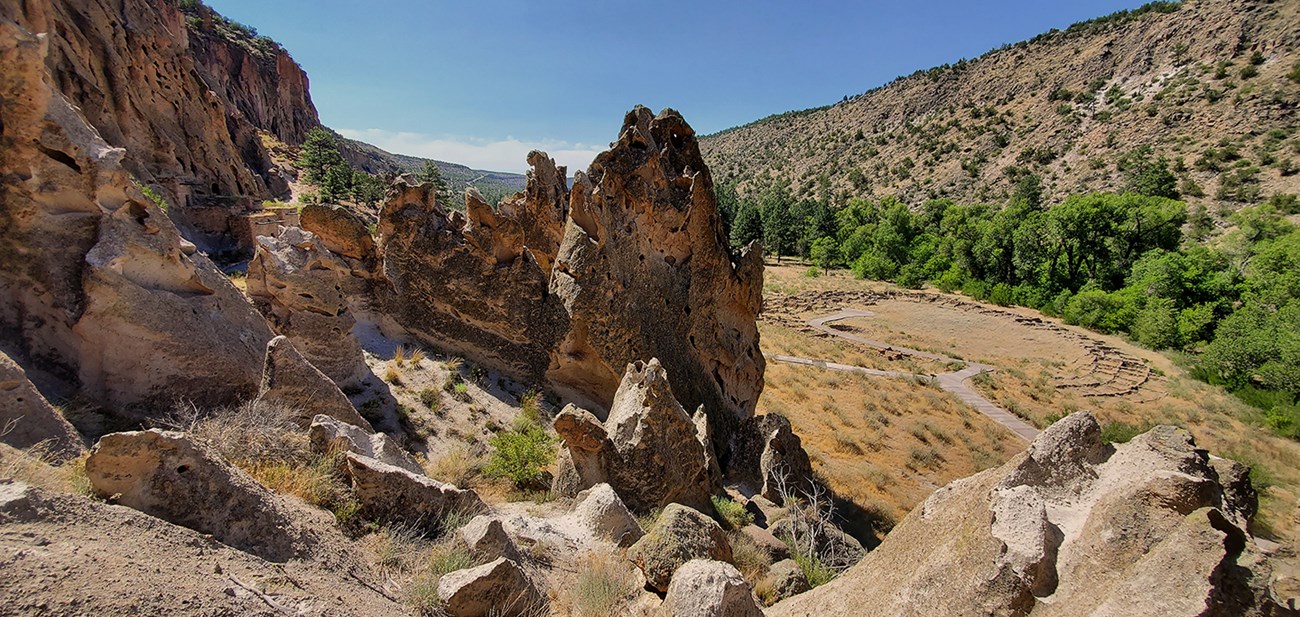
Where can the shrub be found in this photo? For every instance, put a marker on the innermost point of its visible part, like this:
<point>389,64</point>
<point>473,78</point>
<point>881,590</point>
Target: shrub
<point>521,454</point>
<point>730,513</point>
<point>814,570</point>
<point>1120,432</point>
<point>431,398</point>
<point>1000,294</point>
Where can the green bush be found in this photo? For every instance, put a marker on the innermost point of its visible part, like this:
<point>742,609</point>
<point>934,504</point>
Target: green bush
<point>521,454</point>
<point>1120,432</point>
<point>732,514</point>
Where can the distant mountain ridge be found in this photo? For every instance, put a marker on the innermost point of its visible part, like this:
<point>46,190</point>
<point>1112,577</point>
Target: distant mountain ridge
<point>1211,85</point>
<point>494,185</point>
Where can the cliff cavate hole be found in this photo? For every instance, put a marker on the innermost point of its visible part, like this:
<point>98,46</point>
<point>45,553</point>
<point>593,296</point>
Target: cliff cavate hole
<point>182,469</point>
<point>62,157</point>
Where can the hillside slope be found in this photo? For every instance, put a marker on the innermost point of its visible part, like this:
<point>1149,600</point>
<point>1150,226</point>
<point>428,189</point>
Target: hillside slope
<point>1212,85</point>
<point>494,185</point>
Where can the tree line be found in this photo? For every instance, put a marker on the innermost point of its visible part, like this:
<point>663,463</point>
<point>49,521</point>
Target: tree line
<point>323,166</point>
<point>1138,262</point>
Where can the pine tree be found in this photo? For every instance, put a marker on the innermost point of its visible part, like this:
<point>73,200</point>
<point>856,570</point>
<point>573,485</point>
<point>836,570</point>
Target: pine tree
<point>319,153</point>
<point>432,174</point>
<point>748,225</point>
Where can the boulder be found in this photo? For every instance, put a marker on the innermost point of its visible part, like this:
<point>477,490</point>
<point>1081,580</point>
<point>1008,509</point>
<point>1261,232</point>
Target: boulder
<point>775,549</point>
<point>327,433</point>
<point>392,494</point>
<point>1073,526</point>
<point>499,588</point>
<point>167,475</point>
<point>27,419</point>
<point>682,534</point>
<point>646,429</point>
<point>488,540</point>
<point>767,457</point>
<point>289,380</point>
<point>601,512</point>
<point>703,588</point>
<point>96,285</point>
<point>785,578</point>
<point>300,286</point>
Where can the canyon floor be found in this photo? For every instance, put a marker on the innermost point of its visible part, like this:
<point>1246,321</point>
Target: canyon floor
<point>884,443</point>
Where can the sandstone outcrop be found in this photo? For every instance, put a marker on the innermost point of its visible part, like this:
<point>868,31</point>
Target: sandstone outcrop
<point>27,419</point>
<point>392,494</point>
<point>1072,526</point>
<point>292,382</point>
<point>646,429</point>
<point>645,271</point>
<point>327,433</point>
<point>299,285</point>
<point>168,476</point>
<point>681,534</point>
<point>95,281</point>
<point>704,588</point>
<point>498,588</point>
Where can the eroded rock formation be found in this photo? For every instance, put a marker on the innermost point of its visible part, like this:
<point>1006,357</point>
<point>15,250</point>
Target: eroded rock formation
<point>567,289</point>
<point>299,285</point>
<point>1073,526</point>
<point>645,272</point>
<point>95,281</point>
<point>193,132</point>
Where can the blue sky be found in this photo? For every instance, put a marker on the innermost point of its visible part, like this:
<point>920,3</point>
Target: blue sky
<point>481,82</point>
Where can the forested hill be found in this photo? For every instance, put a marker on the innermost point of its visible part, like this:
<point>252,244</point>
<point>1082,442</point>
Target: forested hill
<point>1210,85</point>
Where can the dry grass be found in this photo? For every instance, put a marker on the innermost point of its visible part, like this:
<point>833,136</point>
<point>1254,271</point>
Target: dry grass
<point>36,466</point>
<point>263,441</point>
<point>458,466</point>
<point>600,585</point>
<point>752,561</point>
<point>887,443</point>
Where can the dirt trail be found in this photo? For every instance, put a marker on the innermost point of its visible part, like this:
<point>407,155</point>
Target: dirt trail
<point>954,382</point>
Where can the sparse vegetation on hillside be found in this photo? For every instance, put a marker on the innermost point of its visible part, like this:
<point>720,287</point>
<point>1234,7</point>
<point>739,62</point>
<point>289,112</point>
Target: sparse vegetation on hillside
<point>970,131</point>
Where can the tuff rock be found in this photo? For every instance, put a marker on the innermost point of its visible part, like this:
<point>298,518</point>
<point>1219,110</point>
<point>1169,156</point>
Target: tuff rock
<point>299,285</point>
<point>96,283</point>
<point>27,419</point>
<point>497,588</point>
<point>486,537</point>
<point>1072,526</point>
<point>292,382</point>
<point>768,457</point>
<point>600,511</point>
<point>703,588</point>
<point>390,493</point>
<point>646,429</point>
<point>167,475</point>
<point>327,433</point>
<point>681,534</point>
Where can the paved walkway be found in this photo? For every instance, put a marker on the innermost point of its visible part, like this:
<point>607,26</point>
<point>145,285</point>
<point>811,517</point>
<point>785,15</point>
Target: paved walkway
<point>954,382</point>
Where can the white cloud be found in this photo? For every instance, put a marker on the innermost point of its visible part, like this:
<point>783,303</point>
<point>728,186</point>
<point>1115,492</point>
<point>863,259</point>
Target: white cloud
<point>509,154</point>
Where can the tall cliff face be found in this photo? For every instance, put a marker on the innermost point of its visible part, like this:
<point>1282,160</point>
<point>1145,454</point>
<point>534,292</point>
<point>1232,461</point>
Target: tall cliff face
<point>97,287</point>
<point>255,76</point>
<point>150,85</point>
